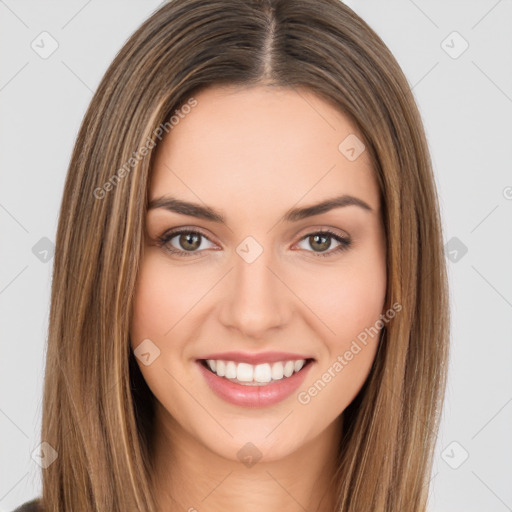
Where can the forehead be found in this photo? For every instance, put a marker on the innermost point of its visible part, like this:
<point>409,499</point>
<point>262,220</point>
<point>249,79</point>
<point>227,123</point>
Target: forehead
<point>261,145</point>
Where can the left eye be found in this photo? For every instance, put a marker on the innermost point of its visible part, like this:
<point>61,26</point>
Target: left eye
<point>322,241</point>
<point>190,242</point>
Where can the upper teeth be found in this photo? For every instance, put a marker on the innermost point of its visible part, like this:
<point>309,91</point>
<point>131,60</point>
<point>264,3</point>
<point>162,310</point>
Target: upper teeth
<point>261,373</point>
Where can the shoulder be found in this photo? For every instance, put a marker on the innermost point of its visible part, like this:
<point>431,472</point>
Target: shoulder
<point>30,506</point>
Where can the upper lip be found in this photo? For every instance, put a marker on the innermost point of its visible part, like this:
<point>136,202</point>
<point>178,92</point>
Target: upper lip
<point>258,358</point>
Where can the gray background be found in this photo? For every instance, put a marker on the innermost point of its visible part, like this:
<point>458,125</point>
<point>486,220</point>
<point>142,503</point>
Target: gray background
<point>465,98</point>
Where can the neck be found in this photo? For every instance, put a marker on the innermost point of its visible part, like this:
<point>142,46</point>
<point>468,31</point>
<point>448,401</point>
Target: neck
<point>189,476</point>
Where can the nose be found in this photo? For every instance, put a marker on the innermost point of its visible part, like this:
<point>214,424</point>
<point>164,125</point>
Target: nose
<point>255,301</point>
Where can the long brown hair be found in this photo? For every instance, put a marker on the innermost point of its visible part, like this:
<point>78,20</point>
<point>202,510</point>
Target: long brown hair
<point>97,409</point>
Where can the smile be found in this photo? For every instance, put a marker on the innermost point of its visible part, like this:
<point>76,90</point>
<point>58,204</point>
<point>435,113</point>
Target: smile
<point>254,385</point>
<point>254,375</point>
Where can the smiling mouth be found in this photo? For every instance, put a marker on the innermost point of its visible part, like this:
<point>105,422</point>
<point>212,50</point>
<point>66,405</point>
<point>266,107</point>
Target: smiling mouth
<point>255,375</point>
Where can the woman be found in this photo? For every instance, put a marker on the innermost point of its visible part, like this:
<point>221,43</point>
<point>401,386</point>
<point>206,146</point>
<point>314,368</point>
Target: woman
<point>249,306</point>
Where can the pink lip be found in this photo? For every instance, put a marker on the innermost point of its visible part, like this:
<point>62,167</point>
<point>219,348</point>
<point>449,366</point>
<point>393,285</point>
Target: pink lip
<point>259,358</point>
<point>253,396</point>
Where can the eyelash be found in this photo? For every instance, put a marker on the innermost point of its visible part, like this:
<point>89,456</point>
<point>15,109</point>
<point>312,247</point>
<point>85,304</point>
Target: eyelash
<point>164,239</point>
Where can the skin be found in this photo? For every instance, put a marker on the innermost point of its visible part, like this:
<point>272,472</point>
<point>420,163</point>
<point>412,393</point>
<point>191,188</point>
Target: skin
<point>252,154</point>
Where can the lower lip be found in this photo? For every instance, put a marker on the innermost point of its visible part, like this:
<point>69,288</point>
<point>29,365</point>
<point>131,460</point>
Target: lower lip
<point>254,396</point>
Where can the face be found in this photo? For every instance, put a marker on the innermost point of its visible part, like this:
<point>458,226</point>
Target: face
<point>250,276</point>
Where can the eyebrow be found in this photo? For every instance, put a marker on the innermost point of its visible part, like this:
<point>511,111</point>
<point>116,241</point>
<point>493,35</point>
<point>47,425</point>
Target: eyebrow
<point>293,215</point>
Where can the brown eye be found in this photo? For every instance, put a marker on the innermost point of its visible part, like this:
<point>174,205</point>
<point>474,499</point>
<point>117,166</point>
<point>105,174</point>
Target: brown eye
<point>184,242</point>
<point>189,241</point>
<point>322,241</point>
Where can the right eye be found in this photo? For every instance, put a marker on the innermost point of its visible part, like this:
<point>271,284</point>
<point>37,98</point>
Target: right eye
<point>188,242</point>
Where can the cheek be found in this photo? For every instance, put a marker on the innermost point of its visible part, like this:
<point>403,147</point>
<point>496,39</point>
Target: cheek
<point>350,308</point>
<point>156,308</point>
<point>351,299</point>
<point>154,303</point>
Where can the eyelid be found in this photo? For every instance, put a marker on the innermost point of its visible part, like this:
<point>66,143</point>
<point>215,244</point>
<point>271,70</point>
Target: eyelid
<point>312,230</point>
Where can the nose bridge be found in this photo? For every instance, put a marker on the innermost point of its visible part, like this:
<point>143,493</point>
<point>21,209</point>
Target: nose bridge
<point>255,302</point>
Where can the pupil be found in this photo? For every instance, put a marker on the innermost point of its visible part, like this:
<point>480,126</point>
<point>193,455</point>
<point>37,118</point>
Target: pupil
<point>324,244</point>
<point>189,241</point>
